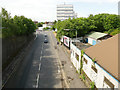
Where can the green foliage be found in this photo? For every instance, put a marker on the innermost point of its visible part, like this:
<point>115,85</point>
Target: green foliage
<point>77,58</point>
<point>93,60</point>
<point>39,24</point>
<point>81,61</point>
<point>46,28</point>
<point>108,23</point>
<point>105,22</point>
<point>77,71</point>
<point>113,31</point>
<point>54,25</point>
<point>92,84</point>
<point>82,53</point>
<point>19,25</point>
<point>82,76</point>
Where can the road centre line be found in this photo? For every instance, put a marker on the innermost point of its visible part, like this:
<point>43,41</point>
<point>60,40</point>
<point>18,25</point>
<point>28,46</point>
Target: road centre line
<point>37,81</point>
<point>39,66</point>
<point>41,52</point>
<point>42,46</point>
<point>40,58</point>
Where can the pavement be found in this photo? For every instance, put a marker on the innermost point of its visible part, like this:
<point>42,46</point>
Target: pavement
<point>71,76</point>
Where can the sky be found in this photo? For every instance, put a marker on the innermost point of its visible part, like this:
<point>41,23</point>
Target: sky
<point>45,10</point>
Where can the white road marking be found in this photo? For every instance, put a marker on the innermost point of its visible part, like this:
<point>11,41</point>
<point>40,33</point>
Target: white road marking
<point>36,36</point>
<point>58,71</point>
<point>37,81</point>
<point>41,52</point>
<point>42,46</point>
<point>39,66</point>
<point>40,58</point>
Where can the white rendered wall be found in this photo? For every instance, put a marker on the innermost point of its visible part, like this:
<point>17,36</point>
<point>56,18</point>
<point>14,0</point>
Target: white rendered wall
<point>98,77</point>
<point>90,40</point>
<point>74,50</point>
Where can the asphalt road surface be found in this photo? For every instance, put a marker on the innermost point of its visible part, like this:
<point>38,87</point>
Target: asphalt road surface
<point>40,67</point>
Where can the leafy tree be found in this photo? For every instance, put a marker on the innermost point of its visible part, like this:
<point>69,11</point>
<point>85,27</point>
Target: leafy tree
<point>39,24</point>
<point>108,23</point>
<point>19,25</point>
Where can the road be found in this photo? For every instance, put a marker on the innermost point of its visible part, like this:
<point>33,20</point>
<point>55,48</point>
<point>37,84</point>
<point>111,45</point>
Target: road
<point>40,67</point>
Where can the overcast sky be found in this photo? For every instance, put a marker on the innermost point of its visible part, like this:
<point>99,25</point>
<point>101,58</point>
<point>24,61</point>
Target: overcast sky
<point>45,10</point>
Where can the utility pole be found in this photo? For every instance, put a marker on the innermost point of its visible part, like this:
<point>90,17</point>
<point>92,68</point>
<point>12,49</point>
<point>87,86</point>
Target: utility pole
<point>76,37</point>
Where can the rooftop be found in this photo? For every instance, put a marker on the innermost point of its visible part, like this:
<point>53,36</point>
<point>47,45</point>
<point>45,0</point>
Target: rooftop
<point>96,35</point>
<point>81,45</point>
<point>106,55</point>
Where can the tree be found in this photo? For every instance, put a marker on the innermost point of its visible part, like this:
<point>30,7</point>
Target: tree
<point>19,25</point>
<point>108,23</point>
<point>39,24</point>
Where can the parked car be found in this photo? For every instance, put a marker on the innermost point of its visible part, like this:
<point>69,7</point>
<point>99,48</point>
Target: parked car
<point>45,35</point>
<point>45,41</point>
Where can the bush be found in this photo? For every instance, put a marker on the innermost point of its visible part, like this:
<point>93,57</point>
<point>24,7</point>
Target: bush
<point>92,84</point>
<point>82,76</point>
<point>46,28</point>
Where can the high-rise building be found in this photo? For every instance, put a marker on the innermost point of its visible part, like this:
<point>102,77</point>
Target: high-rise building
<point>64,11</point>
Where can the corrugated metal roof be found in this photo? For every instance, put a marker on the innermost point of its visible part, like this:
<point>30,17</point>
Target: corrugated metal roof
<point>106,55</point>
<point>96,35</point>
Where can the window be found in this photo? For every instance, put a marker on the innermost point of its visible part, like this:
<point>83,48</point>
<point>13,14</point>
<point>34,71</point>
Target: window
<point>108,82</point>
<point>77,56</point>
<point>85,60</point>
<point>94,68</point>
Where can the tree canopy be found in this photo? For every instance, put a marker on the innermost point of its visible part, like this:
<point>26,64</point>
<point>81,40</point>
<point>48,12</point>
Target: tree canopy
<point>106,23</point>
<point>18,25</point>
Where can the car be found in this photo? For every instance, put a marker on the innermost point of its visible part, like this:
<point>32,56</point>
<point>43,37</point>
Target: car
<point>45,35</point>
<point>45,41</point>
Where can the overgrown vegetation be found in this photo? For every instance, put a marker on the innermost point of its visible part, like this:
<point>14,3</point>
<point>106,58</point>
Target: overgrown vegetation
<point>106,23</point>
<point>92,85</point>
<point>81,61</point>
<point>82,76</point>
<point>46,28</point>
<point>16,26</point>
<point>93,60</point>
<point>40,24</point>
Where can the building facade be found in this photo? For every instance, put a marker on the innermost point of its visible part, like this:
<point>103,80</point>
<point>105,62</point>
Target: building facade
<point>95,37</point>
<point>99,63</point>
<point>65,11</point>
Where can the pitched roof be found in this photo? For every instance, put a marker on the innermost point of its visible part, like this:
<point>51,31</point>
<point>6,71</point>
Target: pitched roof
<point>106,55</point>
<point>96,35</point>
